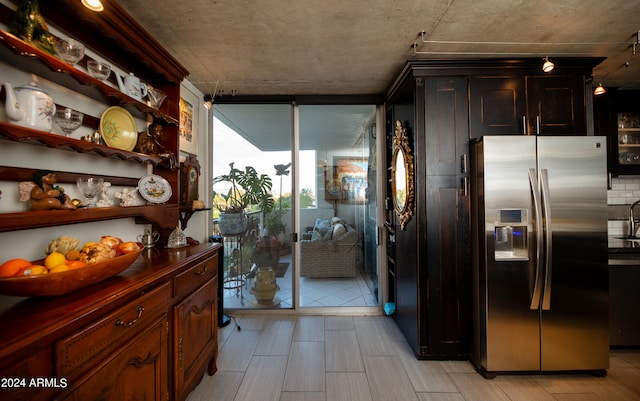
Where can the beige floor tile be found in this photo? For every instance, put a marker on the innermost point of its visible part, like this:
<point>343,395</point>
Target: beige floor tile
<point>317,345</point>
<point>342,351</point>
<point>426,376</point>
<point>578,397</point>
<point>263,380</point>
<point>276,337</point>
<point>523,388</point>
<point>302,396</point>
<point>373,338</point>
<point>339,323</point>
<point>474,387</point>
<point>607,388</point>
<point>440,397</point>
<point>457,366</point>
<point>348,387</point>
<point>305,367</point>
<point>237,351</point>
<point>309,328</point>
<point>222,386</point>
<point>387,379</point>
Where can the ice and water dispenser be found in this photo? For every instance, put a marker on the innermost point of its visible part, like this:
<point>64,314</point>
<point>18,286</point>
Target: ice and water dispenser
<point>510,234</point>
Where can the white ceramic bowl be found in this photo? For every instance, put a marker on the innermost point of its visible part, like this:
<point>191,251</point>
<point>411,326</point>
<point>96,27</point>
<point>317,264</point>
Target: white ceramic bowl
<point>98,69</point>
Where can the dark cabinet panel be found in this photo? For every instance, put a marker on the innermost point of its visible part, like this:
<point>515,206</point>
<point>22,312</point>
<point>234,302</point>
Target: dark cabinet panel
<point>497,106</point>
<point>556,105</point>
<point>535,105</point>
<point>448,264</point>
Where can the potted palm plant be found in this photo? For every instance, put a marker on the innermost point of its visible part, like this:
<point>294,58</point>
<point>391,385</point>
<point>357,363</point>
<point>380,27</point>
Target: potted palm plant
<point>246,188</point>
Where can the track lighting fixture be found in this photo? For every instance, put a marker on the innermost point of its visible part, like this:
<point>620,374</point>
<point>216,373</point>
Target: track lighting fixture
<point>599,90</point>
<point>208,101</point>
<point>547,66</point>
<point>93,5</point>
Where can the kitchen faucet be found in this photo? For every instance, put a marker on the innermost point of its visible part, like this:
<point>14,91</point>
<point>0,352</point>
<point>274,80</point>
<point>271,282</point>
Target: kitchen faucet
<point>632,220</point>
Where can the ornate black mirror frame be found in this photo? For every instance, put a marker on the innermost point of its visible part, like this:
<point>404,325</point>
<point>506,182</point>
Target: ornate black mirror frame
<point>401,148</point>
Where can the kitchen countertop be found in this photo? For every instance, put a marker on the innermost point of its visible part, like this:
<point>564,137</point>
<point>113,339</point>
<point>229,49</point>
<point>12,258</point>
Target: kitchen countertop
<point>621,246</point>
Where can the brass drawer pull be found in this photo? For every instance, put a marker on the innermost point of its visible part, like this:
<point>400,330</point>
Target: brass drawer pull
<point>120,322</point>
<point>201,272</point>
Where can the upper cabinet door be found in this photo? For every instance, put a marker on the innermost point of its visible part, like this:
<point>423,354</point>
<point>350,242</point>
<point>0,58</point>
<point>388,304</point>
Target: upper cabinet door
<point>556,105</point>
<point>497,106</point>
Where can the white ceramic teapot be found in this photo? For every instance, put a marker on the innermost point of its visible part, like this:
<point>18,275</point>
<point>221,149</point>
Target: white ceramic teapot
<point>132,86</point>
<point>29,106</point>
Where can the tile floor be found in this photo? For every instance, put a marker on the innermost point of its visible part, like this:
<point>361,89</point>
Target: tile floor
<point>331,358</point>
<point>315,292</point>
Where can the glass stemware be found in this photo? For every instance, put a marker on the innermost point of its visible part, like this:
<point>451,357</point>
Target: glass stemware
<point>68,120</point>
<point>156,96</point>
<point>89,187</point>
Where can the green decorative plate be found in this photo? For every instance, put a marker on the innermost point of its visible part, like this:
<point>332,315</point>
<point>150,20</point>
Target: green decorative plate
<point>118,128</point>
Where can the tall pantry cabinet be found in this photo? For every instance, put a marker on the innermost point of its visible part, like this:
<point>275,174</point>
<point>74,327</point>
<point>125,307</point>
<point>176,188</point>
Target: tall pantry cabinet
<point>443,104</point>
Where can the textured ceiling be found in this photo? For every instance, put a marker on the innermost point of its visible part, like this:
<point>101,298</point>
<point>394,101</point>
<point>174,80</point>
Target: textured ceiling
<point>344,47</point>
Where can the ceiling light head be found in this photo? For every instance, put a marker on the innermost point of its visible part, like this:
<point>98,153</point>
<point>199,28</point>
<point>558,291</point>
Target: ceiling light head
<point>547,66</point>
<point>208,101</point>
<point>599,90</point>
<point>93,5</point>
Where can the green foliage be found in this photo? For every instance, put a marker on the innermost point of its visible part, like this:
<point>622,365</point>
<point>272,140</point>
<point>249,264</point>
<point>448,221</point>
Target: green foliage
<point>247,188</point>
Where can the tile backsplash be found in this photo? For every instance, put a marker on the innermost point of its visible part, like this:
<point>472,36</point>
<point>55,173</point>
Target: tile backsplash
<point>624,191</point>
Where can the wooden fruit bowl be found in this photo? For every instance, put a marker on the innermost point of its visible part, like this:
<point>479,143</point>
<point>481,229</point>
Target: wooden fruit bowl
<point>54,284</point>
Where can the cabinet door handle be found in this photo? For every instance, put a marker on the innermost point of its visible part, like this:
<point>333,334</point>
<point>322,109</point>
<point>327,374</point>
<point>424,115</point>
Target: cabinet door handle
<point>201,272</point>
<point>120,322</point>
<point>524,125</point>
<point>537,125</point>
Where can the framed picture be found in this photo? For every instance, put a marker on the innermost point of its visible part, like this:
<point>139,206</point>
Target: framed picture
<point>346,180</point>
<point>188,121</point>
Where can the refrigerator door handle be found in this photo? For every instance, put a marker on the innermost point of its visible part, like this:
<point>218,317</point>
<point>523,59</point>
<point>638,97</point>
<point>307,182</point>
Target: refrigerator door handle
<point>546,205</point>
<point>537,207</point>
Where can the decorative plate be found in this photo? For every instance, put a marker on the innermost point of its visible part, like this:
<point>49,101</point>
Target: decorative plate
<point>118,129</point>
<point>154,188</point>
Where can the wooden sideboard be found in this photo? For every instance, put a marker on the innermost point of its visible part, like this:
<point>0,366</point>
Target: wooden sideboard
<point>148,333</point>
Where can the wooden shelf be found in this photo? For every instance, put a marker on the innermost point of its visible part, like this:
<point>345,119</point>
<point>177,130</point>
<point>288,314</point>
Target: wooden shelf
<point>50,218</point>
<point>35,137</point>
<point>47,66</point>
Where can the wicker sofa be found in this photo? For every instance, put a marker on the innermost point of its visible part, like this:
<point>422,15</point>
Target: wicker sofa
<point>329,257</point>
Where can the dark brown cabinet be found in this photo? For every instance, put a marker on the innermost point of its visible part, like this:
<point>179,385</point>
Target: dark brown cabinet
<point>431,254</point>
<point>149,333</point>
<point>442,104</point>
<point>534,105</point>
<point>195,340</point>
<point>135,372</point>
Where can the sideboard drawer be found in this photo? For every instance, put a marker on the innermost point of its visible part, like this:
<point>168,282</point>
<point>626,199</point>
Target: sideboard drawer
<point>80,350</point>
<point>196,275</point>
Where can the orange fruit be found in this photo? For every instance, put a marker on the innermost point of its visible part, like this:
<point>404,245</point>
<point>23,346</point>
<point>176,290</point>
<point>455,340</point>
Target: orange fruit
<point>33,270</point>
<point>75,264</point>
<point>59,268</point>
<point>12,266</point>
<point>54,259</point>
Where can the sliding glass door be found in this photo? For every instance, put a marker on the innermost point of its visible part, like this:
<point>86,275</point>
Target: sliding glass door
<point>258,258</point>
<point>323,191</point>
<point>337,248</point>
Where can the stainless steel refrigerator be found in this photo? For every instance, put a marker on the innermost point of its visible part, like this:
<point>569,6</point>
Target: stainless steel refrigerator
<point>539,244</point>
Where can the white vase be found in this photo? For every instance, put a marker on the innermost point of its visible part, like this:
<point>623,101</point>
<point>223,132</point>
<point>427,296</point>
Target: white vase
<point>265,287</point>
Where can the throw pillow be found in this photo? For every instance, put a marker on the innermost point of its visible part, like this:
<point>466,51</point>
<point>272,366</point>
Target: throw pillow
<point>339,230</point>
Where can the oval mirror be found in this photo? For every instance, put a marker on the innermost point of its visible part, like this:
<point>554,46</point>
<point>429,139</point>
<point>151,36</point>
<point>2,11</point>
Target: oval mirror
<point>399,180</point>
<point>402,176</point>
